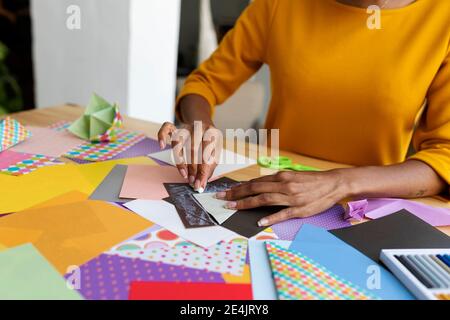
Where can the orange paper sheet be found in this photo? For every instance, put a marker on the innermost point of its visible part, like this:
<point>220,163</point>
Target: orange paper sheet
<point>147,182</point>
<point>20,193</point>
<point>71,234</point>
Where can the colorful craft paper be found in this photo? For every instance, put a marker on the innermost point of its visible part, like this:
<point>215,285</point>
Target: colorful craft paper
<point>214,206</point>
<point>105,150</point>
<point>189,291</point>
<point>100,122</point>
<point>8,158</point>
<point>70,234</point>
<point>26,275</point>
<point>108,277</point>
<point>229,161</point>
<point>48,142</point>
<point>437,217</point>
<point>11,133</point>
<point>165,214</point>
<point>62,125</point>
<point>50,182</point>
<point>330,219</point>
<point>347,262</point>
<point>297,277</point>
<point>30,164</point>
<point>263,286</point>
<point>146,182</point>
<point>110,187</point>
<point>224,257</point>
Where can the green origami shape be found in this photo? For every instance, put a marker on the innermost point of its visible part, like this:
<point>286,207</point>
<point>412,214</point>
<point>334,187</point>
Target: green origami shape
<point>99,117</point>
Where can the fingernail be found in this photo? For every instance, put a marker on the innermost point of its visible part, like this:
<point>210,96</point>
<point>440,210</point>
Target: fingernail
<point>191,180</point>
<point>183,173</point>
<point>200,190</point>
<point>263,223</point>
<point>162,144</point>
<point>221,195</point>
<point>197,185</point>
<point>231,205</point>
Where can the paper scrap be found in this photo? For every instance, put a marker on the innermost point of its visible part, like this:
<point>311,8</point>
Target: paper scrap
<point>48,142</point>
<point>70,234</point>
<point>146,182</point>
<point>11,133</point>
<point>108,277</point>
<point>189,291</point>
<point>263,285</point>
<point>110,187</point>
<point>105,150</point>
<point>224,257</point>
<point>298,277</point>
<point>214,206</point>
<point>26,275</point>
<point>437,217</point>
<point>165,214</point>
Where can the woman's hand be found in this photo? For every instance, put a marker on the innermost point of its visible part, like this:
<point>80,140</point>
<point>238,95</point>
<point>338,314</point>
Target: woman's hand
<point>196,150</point>
<point>304,193</point>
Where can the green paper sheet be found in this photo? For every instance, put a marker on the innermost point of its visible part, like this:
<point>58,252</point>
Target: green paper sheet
<point>26,275</point>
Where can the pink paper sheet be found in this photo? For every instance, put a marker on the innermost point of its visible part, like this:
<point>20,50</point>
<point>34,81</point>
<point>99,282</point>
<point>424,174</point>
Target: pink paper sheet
<point>48,142</point>
<point>437,217</point>
<point>145,182</point>
<point>8,158</point>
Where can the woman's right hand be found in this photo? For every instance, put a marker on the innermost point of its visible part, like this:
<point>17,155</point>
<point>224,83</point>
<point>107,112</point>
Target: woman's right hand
<point>196,150</point>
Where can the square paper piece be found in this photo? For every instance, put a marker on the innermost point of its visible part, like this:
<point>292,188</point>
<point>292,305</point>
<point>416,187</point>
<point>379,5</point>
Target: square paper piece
<point>105,150</point>
<point>26,275</point>
<point>48,142</point>
<point>146,182</point>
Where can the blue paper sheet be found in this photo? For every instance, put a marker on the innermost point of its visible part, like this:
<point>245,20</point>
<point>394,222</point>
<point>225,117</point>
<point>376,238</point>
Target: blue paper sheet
<point>347,262</point>
<point>263,285</point>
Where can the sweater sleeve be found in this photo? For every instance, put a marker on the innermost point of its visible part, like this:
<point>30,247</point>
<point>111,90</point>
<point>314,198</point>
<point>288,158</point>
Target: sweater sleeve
<point>240,54</point>
<point>432,137</point>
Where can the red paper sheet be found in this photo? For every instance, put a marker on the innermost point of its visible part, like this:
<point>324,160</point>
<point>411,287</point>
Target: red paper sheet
<point>189,291</point>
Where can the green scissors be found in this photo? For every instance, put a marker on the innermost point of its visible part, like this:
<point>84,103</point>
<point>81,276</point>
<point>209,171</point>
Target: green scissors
<point>283,163</point>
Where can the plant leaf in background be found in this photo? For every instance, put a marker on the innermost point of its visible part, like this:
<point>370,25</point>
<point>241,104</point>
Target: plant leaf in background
<point>10,93</point>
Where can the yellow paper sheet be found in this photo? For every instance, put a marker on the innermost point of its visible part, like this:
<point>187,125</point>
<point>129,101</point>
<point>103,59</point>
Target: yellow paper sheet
<point>71,234</point>
<point>20,193</point>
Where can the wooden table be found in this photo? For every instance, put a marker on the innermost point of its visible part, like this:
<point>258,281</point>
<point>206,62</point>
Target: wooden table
<point>48,116</point>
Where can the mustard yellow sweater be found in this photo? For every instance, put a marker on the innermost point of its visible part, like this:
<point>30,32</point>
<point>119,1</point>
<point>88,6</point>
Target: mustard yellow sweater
<point>341,91</point>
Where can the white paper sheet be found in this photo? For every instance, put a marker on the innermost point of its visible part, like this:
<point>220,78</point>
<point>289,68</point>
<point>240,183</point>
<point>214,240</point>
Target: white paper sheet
<point>165,215</point>
<point>230,161</point>
<point>214,207</point>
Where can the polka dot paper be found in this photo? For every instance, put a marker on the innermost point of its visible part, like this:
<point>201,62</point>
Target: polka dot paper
<point>108,277</point>
<point>224,257</point>
<point>29,164</point>
<point>299,278</point>
<point>106,150</point>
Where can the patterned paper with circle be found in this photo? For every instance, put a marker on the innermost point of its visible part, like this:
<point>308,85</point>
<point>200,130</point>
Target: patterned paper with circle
<point>299,278</point>
<point>108,277</point>
<point>30,164</point>
<point>224,257</point>
<point>106,150</point>
<point>11,133</point>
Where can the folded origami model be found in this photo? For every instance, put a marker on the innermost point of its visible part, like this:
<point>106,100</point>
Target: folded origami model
<point>100,122</point>
<point>11,133</point>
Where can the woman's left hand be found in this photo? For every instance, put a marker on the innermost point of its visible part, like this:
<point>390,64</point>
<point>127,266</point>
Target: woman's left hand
<point>304,193</point>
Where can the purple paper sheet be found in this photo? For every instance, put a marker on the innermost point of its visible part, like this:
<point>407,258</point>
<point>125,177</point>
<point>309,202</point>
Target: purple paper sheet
<point>108,277</point>
<point>140,149</point>
<point>330,219</point>
<point>437,217</point>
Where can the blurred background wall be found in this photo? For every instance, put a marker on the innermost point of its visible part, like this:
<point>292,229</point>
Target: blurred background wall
<point>134,52</point>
